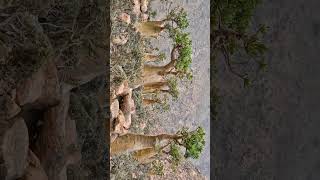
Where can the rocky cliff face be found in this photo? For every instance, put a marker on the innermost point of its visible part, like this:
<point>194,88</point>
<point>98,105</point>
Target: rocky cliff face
<point>51,124</point>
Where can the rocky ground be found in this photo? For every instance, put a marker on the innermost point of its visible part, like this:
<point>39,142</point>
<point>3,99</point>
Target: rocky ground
<point>52,90</point>
<point>271,131</point>
<point>126,62</point>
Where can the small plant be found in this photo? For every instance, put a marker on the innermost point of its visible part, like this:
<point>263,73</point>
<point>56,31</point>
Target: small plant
<point>173,88</point>
<point>158,167</point>
<point>162,56</point>
<point>153,14</point>
<point>193,142</point>
<point>175,154</point>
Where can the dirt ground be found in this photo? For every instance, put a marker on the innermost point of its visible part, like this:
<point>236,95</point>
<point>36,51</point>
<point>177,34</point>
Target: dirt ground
<point>271,130</point>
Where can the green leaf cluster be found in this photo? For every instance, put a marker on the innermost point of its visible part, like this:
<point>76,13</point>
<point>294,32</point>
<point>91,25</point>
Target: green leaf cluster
<point>175,153</point>
<point>180,17</point>
<point>235,14</point>
<point>194,142</point>
<point>183,40</point>
<point>173,88</point>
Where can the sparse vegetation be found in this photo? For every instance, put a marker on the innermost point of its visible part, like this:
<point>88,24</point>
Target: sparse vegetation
<point>146,147</point>
<point>154,79</point>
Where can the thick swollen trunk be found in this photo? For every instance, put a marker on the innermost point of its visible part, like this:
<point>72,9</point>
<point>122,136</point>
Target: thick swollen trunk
<point>145,155</point>
<point>135,142</point>
<point>149,70</point>
<point>156,86</point>
<point>151,28</point>
<point>150,101</point>
<point>150,57</point>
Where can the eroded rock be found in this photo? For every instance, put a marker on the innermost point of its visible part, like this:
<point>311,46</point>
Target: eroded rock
<point>42,88</point>
<point>34,170</point>
<point>127,106</point>
<point>136,8</point>
<point>124,17</point>
<point>119,122</point>
<point>144,17</point>
<point>121,39</point>
<point>52,142</point>
<point>123,89</point>
<point>114,109</point>
<point>144,5</point>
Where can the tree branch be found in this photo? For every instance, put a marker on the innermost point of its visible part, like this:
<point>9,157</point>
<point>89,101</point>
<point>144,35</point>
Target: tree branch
<point>227,59</point>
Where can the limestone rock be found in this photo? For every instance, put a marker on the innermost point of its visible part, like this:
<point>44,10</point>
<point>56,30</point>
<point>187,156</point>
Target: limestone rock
<point>121,39</point>
<point>127,106</point>
<point>42,88</point>
<point>144,17</point>
<point>122,89</point>
<point>127,122</point>
<point>52,142</point>
<point>136,7</point>
<point>124,17</point>
<point>144,5</point>
<point>114,109</point>
<point>34,170</point>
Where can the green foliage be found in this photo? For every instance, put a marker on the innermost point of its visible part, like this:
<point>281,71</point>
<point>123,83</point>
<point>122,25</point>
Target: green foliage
<point>183,40</point>
<point>175,154</point>
<point>180,17</point>
<point>162,56</point>
<point>173,88</point>
<point>193,142</point>
<point>233,36</point>
<point>153,14</point>
<point>236,14</point>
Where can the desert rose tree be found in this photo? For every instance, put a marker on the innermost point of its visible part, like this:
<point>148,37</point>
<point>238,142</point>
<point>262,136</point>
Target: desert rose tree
<point>176,18</point>
<point>163,79</point>
<point>144,148</point>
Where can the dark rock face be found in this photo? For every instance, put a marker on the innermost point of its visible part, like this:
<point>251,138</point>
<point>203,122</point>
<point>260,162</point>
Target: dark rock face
<point>14,150</point>
<point>90,122</point>
<point>271,131</point>
<point>40,138</point>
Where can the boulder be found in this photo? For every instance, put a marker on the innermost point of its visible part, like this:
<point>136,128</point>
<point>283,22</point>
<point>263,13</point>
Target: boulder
<point>9,107</point>
<point>119,124</point>
<point>114,108</point>
<point>121,39</point>
<point>42,88</point>
<point>87,69</point>
<point>136,7</point>
<point>123,89</point>
<point>127,106</point>
<point>52,142</point>
<point>124,17</point>
<point>144,5</point>
<point>127,122</point>
<point>144,17</point>
<point>14,150</point>
<point>34,170</point>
